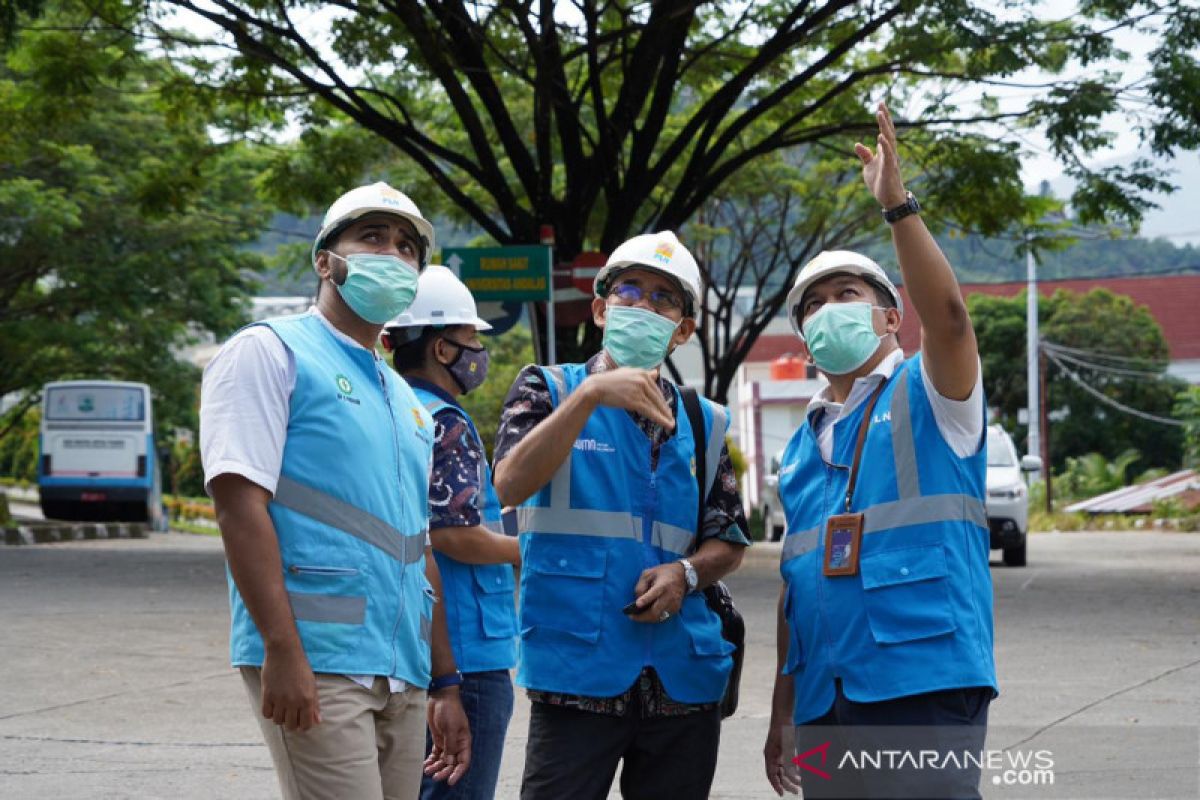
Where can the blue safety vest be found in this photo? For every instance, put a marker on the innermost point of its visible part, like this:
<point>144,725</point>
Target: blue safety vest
<point>586,537</point>
<point>350,513</point>
<point>918,615</point>
<point>480,608</point>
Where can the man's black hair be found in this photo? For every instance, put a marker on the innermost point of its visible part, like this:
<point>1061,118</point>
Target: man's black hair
<point>411,354</point>
<point>881,294</point>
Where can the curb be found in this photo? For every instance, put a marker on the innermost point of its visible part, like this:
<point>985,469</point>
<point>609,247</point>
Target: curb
<point>53,532</point>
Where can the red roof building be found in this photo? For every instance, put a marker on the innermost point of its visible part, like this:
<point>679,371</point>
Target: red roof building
<point>1173,300</point>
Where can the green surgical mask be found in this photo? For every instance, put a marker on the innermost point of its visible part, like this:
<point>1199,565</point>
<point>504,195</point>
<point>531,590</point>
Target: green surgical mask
<point>841,337</point>
<point>377,287</point>
<point>635,337</point>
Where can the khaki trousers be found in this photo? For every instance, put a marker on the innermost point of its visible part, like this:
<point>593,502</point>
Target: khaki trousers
<point>369,745</point>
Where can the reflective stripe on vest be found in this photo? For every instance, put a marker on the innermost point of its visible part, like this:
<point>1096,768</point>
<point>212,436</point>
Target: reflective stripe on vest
<point>331,511</point>
<point>898,514</point>
<point>328,608</point>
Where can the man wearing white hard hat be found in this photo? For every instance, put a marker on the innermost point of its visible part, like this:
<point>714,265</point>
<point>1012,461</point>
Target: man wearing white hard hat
<point>885,619</point>
<point>621,655</point>
<point>435,345</point>
<point>316,455</point>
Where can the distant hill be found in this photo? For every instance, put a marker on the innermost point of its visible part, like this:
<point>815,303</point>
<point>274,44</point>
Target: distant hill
<point>978,260</point>
<point>287,240</point>
<point>975,259</point>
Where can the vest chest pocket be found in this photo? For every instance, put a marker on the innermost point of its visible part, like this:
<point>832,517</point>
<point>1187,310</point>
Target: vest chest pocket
<point>329,604</point>
<point>494,592</point>
<point>564,590</point>
<point>906,594</point>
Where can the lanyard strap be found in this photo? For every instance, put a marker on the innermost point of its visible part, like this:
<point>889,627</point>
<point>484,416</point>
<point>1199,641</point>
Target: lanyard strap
<point>862,438</point>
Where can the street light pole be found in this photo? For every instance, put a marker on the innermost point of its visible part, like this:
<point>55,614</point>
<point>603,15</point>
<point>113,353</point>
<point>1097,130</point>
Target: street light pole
<point>1034,416</point>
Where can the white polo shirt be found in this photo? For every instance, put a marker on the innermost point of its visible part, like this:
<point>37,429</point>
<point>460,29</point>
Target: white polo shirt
<point>959,421</point>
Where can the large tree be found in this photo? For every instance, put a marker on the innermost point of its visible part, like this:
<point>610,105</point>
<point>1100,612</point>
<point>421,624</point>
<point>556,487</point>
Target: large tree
<point>123,225</point>
<point>1098,342</point>
<point>605,119</point>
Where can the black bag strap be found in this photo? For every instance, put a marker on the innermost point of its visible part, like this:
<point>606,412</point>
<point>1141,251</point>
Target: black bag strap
<point>695,417</point>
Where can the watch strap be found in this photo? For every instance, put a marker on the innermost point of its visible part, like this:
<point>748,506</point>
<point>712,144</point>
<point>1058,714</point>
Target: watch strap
<point>909,207</point>
<point>690,575</point>
<point>446,681</point>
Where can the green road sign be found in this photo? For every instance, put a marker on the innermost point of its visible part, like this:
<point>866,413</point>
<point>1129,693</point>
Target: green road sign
<point>520,272</point>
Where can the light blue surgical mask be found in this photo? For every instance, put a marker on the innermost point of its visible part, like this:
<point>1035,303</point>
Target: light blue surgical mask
<point>377,287</point>
<point>841,336</point>
<point>635,337</point>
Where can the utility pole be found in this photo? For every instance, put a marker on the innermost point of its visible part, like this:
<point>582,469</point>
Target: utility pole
<point>1032,380</point>
<point>1044,423</point>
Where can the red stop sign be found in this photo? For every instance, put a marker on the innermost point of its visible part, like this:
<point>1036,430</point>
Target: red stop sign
<point>584,269</point>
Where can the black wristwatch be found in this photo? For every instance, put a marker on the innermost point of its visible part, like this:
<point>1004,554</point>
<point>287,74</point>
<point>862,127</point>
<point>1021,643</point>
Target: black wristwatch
<point>908,207</point>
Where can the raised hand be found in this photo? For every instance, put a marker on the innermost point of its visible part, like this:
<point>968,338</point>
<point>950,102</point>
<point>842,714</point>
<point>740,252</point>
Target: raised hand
<point>634,390</point>
<point>881,169</point>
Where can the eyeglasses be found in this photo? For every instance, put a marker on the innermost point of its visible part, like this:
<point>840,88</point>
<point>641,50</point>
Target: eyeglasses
<point>660,299</point>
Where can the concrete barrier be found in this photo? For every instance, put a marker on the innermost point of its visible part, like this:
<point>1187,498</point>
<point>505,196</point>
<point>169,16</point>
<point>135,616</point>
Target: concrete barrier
<point>54,532</point>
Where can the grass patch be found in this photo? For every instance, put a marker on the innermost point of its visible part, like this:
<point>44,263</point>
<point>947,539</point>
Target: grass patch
<point>192,527</point>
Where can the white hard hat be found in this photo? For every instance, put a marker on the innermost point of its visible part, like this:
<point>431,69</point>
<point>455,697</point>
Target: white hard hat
<point>442,299</point>
<point>367,199</point>
<point>660,252</point>
<point>834,262</point>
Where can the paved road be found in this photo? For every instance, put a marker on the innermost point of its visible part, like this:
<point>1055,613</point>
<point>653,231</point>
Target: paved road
<point>115,681</point>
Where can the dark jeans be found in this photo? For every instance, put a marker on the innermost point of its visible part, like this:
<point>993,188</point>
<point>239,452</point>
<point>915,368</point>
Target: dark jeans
<point>927,746</point>
<point>487,699</point>
<point>574,754</point>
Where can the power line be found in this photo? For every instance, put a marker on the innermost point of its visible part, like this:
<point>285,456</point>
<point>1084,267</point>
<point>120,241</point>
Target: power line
<point>1108,368</point>
<point>1099,354</point>
<point>1108,400</point>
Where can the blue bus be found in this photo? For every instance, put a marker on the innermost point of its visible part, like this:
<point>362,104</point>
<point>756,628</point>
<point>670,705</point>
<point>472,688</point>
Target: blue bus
<point>97,458</point>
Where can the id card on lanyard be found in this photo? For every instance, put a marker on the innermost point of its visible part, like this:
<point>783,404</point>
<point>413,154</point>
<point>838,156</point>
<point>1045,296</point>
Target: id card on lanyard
<point>844,532</point>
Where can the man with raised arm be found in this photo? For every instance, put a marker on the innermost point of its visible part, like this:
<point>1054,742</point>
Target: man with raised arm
<point>885,619</point>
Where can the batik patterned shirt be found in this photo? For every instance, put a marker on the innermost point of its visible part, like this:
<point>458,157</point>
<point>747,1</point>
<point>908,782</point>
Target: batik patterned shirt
<point>454,500</point>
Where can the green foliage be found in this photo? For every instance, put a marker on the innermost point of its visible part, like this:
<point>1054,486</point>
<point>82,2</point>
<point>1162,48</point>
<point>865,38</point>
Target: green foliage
<point>757,532</point>
<point>508,353</point>
<point>1169,508</point>
<point>1187,408</point>
<point>19,447</point>
<point>604,120</point>
<point>124,220</point>
<point>1097,322</point>
<point>1094,474</point>
<point>186,472</point>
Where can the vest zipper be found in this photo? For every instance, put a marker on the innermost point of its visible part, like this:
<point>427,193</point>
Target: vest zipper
<point>387,400</point>
<point>649,558</point>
